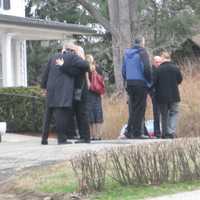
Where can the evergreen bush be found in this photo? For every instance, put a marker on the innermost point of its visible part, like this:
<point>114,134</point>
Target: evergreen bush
<point>22,108</point>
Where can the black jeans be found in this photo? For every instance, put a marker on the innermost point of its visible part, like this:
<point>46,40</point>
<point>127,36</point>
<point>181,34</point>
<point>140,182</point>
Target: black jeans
<point>137,106</point>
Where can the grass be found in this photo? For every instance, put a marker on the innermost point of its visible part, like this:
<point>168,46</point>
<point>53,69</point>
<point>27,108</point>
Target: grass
<point>117,192</point>
<point>54,179</point>
<point>60,179</point>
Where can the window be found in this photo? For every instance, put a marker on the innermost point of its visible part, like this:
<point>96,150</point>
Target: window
<point>5,4</point>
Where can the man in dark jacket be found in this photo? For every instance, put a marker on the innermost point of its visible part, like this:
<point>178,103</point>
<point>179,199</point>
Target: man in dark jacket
<point>136,72</point>
<point>80,92</point>
<point>60,88</point>
<point>167,79</point>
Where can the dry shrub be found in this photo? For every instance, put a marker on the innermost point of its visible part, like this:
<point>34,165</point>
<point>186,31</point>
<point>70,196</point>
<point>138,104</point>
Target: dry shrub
<point>115,115</point>
<point>90,171</point>
<point>189,116</point>
<point>157,163</point>
<point>142,164</point>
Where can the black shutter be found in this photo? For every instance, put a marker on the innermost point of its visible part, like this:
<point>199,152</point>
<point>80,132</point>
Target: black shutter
<point>6,4</point>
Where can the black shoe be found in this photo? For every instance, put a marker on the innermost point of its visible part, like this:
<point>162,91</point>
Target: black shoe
<point>44,142</point>
<point>162,136</point>
<point>158,136</point>
<point>71,137</point>
<point>82,141</point>
<point>64,142</point>
<point>94,138</point>
<point>169,136</point>
<point>141,137</point>
<point>128,136</point>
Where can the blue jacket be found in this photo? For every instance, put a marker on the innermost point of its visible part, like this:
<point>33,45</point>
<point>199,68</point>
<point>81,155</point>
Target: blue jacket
<point>136,66</point>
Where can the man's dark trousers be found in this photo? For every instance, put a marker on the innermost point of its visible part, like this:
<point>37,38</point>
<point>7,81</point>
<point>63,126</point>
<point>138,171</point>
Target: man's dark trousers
<point>137,97</point>
<point>81,114</point>
<point>62,118</point>
<point>48,114</point>
<point>156,113</point>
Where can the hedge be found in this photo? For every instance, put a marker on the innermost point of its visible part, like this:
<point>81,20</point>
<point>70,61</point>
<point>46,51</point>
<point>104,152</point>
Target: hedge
<point>22,108</point>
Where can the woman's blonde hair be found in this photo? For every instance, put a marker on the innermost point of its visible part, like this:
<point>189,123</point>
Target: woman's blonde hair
<point>165,55</point>
<point>91,62</point>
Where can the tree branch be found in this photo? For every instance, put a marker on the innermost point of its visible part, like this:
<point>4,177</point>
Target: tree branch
<point>96,14</point>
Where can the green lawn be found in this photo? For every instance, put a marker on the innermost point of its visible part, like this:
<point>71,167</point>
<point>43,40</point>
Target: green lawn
<point>60,179</point>
<point>117,192</point>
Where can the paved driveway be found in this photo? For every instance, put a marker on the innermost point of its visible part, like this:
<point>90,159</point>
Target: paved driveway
<point>18,152</point>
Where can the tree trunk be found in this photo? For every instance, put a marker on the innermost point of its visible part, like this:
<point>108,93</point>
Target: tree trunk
<point>120,21</point>
<point>113,6</point>
<point>120,26</point>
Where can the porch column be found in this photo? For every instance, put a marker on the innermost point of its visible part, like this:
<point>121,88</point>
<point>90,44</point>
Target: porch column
<point>24,80</point>
<point>7,68</point>
<point>21,63</point>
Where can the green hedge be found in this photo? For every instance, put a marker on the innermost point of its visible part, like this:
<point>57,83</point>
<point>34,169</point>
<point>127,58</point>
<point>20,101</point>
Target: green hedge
<point>22,108</point>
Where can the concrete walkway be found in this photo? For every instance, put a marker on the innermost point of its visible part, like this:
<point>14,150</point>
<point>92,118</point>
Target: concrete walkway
<point>194,195</point>
<point>18,152</point>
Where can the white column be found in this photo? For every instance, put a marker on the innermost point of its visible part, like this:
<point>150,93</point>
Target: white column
<point>8,80</point>
<point>21,63</point>
<point>18,63</point>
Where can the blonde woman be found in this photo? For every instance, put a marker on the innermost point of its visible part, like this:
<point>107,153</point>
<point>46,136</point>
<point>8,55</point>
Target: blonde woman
<point>94,102</point>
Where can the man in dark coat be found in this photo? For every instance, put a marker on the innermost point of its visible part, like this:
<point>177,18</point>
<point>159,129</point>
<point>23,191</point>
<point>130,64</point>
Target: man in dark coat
<point>80,94</point>
<point>167,79</point>
<point>136,72</point>
<point>60,88</point>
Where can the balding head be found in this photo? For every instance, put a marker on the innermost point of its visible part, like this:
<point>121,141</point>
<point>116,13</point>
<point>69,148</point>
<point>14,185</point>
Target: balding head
<point>77,49</point>
<point>157,60</point>
<point>69,46</point>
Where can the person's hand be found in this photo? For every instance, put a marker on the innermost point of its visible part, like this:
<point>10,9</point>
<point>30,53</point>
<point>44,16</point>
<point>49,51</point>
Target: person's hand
<point>88,84</point>
<point>88,80</point>
<point>44,92</point>
<point>60,61</point>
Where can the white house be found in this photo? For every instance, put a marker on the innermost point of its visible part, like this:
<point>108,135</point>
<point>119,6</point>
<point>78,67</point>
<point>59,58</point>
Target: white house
<point>15,29</point>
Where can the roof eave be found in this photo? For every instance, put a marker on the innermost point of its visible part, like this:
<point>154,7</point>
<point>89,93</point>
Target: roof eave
<point>38,23</point>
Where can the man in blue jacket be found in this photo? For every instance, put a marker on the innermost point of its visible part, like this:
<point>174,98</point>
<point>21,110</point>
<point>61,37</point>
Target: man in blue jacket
<point>136,72</point>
